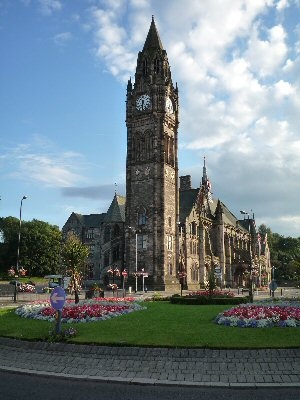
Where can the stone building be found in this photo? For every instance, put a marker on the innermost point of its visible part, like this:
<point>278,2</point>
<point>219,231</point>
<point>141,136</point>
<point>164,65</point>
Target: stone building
<point>172,234</point>
<point>104,235</point>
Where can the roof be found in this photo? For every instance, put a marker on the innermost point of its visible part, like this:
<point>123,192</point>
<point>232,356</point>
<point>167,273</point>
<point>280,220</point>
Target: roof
<point>153,41</point>
<point>93,220</point>
<point>187,199</point>
<point>116,211</point>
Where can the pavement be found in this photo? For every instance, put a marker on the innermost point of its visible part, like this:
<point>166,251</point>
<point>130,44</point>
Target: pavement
<point>153,366</point>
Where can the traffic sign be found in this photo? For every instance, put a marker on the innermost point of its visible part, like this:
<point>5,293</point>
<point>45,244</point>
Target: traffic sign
<point>58,298</point>
<point>273,286</point>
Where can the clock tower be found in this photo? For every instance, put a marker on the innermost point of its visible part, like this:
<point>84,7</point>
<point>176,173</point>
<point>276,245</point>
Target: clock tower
<point>152,167</point>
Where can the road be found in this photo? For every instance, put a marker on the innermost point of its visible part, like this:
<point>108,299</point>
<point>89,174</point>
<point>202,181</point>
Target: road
<point>15,386</point>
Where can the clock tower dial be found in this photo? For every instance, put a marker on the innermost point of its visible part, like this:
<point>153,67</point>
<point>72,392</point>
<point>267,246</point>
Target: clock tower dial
<point>152,162</point>
<point>169,106</point>
<point>143,102</point>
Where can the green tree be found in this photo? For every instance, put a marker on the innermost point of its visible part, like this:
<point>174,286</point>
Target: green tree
<point>9,241</point>
<point>74,254</point>
<point>39,246</point>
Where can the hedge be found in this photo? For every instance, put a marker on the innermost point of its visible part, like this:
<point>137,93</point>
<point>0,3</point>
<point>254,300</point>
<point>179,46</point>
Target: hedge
<point>205,300</point>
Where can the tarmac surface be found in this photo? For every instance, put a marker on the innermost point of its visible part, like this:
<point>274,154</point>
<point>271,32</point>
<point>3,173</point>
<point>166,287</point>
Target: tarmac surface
<point>154,366</point>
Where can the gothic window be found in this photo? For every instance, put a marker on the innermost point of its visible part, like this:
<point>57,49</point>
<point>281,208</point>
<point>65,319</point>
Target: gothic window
<point>116,231</point>
<point>106,234</point>
<point>115,253</point>
<point>195,273</point>
<point>170,242</point>
<point>133,149</point>
<point>89,234</point>
<point>170,268</point>
<point>170,222</point>
<point>90,271</point>
<point>106,258</point>
<point>193,228</point>
<point>142,217</point>
<point>142,242</point>
<point>91,248</point>
<point>171,151</point>
<point>145,67</point>
<point>156,66</point>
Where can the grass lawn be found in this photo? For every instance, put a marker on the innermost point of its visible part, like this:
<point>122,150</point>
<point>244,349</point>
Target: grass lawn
<point>162,324</point>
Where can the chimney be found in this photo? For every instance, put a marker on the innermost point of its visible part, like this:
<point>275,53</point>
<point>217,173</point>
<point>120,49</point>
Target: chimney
<point>185,182</point>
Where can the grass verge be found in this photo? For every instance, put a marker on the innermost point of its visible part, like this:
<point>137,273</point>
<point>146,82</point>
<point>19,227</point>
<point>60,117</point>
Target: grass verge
<point>162,324</point>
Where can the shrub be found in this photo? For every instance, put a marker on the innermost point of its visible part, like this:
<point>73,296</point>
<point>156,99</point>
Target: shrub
<point>205,300</point>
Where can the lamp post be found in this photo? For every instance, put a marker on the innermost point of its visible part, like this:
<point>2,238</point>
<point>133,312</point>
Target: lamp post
<point>19,237</point>
<point>181,275</point>
<point>114,271</point>
<point>251,259</point>
<point>18,251</point>
<point>136,255</point>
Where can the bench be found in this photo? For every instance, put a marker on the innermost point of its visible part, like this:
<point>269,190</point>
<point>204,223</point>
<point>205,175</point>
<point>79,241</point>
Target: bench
<point>7,291</point>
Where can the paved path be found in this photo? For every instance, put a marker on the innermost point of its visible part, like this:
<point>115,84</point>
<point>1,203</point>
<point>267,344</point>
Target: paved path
<point>194,367</point>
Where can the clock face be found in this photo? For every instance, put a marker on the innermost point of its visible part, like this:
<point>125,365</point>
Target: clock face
<point>143,102</point>
<point>169,105</point>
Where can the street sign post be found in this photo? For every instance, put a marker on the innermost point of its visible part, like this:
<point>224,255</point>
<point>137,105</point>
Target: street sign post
<point>273,286</point>
<point>124,274</point>
<point>57,300</point>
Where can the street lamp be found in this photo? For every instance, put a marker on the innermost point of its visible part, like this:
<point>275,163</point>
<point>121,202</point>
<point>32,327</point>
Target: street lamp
<point>250,258</point>
<point>136,255</point>
<point>18,252</point>
<point>181,276</point>
<point>114,271</point>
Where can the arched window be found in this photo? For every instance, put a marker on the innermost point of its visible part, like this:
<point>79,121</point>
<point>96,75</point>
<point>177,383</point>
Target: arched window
<point>116,231</point>
<point>156,66</point>
<point>145,67</point>
<point>106,234</point>
<point>142,217</point>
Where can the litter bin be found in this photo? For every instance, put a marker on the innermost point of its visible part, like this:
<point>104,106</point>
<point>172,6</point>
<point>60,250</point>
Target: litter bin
<point>130,289</point>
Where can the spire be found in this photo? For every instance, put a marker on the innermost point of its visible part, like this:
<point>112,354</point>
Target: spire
<point>204,175</point>
<point>153,41</point>
<point>206,185</point>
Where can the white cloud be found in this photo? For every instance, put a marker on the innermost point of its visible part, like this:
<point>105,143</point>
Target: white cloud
<point>266,56</point>
<point>237,68</point>
<point>47,7</point>
<point>62,38</point>
<point>27,162</point>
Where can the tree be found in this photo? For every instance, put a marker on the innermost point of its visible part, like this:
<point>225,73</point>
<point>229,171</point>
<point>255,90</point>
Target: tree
<point>285,254</point>
<point>9,241</point>
<point>74,253</point>
<point>39,246</point>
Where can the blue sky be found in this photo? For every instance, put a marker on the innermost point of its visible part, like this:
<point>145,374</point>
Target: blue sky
<point>64,69</point>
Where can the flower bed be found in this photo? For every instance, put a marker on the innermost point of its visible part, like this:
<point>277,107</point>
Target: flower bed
<point>85,311</point>
<point>261,315</point>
